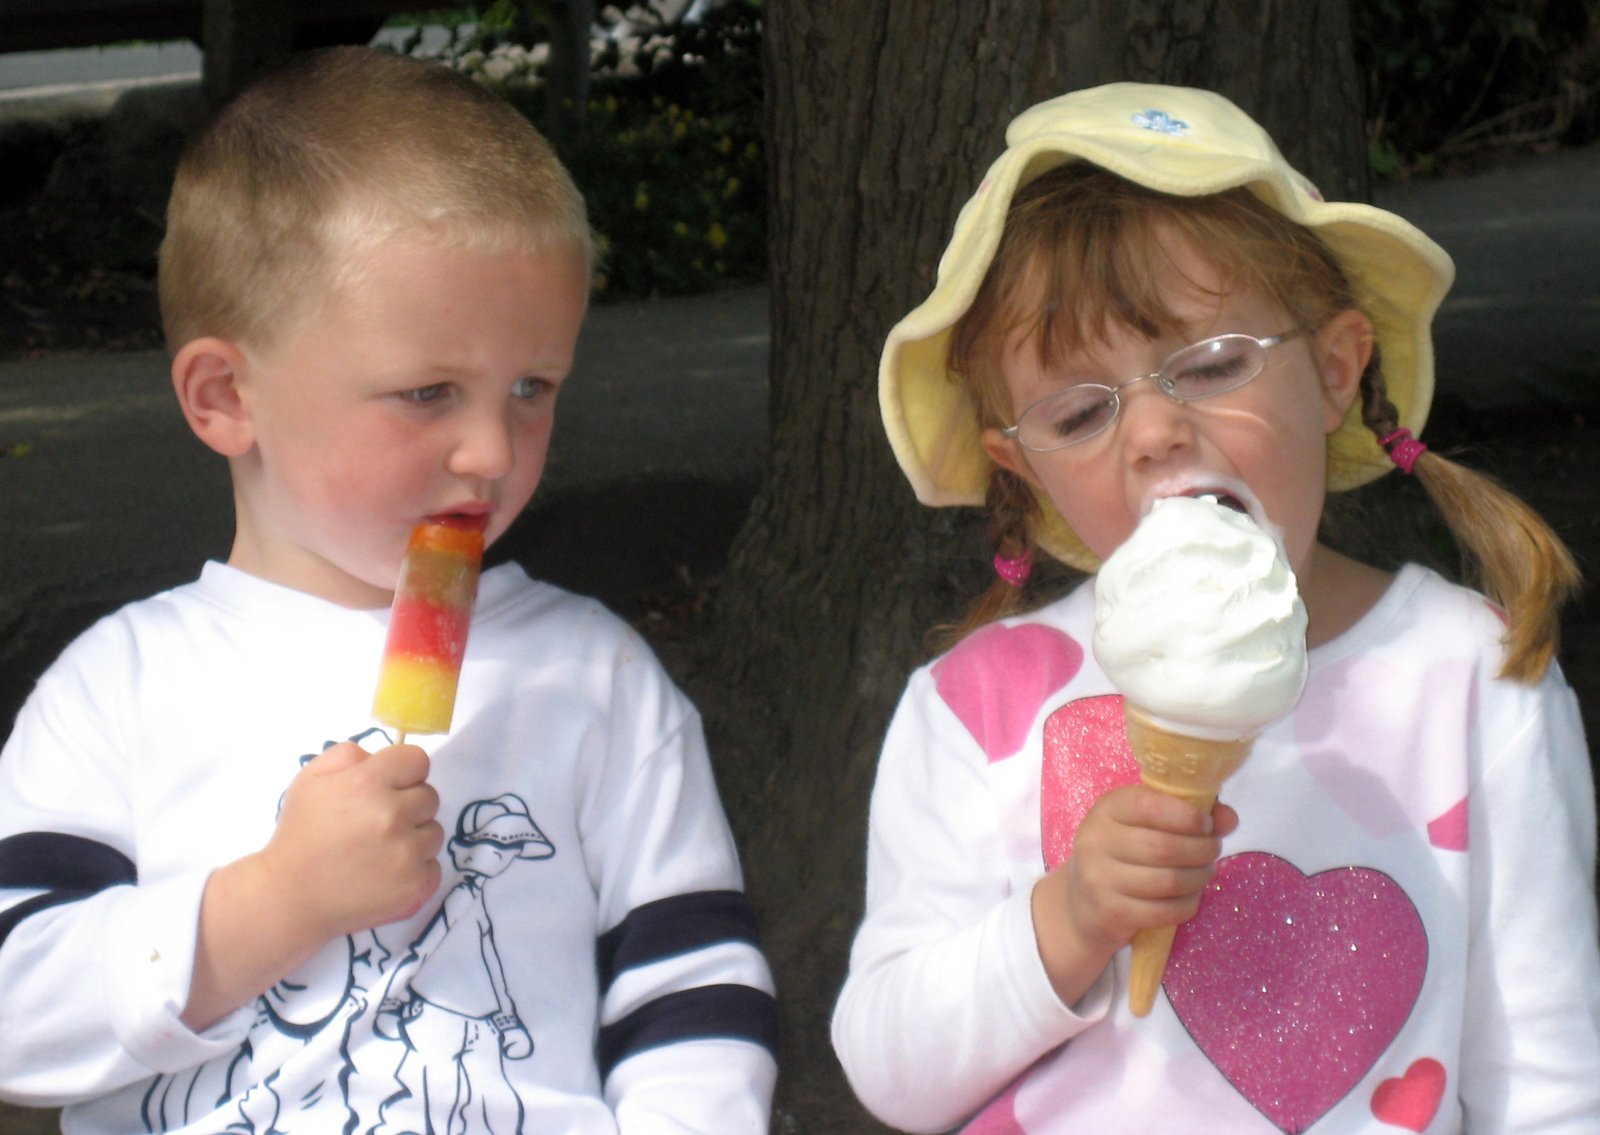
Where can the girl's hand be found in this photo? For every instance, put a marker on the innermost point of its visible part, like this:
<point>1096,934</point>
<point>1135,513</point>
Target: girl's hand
<point>1140,860</point>
<point>357,843</point>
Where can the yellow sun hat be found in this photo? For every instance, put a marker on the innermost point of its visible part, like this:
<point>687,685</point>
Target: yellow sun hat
<point>1187,143</point>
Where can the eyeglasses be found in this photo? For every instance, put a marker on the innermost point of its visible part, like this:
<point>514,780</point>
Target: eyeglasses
<point>1201,370</point>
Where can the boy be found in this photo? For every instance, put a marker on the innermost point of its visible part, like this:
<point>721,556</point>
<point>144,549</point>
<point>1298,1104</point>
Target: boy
<point>222,904</point>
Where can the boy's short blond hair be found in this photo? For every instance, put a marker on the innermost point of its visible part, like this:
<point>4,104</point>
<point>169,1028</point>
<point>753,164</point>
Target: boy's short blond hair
<point>327,156</point>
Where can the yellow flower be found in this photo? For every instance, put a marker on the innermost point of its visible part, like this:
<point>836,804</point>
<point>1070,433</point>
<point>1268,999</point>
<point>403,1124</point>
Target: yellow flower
<point>716,235</point>
<point>731,188</point>
<point>681,229</point>
<point>641,198</point>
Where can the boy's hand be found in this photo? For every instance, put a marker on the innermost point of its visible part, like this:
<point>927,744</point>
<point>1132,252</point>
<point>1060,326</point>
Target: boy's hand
<point>1140,859</point>
<point>357,843</point>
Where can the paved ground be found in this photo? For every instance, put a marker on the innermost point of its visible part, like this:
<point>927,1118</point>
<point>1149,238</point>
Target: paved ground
<point>1523,321</point>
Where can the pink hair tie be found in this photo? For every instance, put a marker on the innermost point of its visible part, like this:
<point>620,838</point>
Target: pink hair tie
<point>1015,570</point>
<point>1403,449</point>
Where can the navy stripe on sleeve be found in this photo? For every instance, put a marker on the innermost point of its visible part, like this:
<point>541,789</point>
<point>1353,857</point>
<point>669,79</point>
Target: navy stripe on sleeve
<point>674,926</point>
<point>65,867</point>
<point>707,1012</point>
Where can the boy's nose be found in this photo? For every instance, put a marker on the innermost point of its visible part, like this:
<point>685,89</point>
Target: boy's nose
<point>485,448</point>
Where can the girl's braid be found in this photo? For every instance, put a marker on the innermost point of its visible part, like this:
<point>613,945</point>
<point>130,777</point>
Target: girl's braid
<point>1010,508</point>
<point>1377,412</point>
<point>1508,550</point>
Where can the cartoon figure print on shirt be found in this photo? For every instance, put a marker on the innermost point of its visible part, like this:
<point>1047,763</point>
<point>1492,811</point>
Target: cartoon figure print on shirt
<point>448,1000</point>
<point>289,1018</point>
<point>1306,940</point>
<point>445,1006</point>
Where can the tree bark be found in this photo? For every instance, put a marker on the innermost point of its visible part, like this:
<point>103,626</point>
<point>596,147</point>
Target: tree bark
<point>238,39</point>
<point>881,117</point>
<point>567,74</point>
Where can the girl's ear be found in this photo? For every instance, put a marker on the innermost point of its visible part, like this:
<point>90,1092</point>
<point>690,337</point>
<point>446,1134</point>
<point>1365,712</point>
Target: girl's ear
<point>1008,454</point>
<point>1344,347</point>
<point>207,375</point>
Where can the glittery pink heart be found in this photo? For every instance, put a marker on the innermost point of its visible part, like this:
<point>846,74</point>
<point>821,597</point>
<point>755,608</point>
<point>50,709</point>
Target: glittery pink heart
<point>1280,972</point>
<point>1086,754</point>
<point>997,680</point>
<point>1412,1100</point>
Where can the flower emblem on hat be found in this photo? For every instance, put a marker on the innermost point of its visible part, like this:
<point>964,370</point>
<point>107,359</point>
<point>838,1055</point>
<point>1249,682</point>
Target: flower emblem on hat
<point>1160,121</point>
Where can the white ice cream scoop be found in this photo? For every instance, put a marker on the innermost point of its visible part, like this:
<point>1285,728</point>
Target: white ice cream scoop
<point>1198,620</point>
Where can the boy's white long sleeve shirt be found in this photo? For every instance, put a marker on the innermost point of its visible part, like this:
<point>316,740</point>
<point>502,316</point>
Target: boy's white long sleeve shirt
<point>588,964</point>
<point>1401,935</point>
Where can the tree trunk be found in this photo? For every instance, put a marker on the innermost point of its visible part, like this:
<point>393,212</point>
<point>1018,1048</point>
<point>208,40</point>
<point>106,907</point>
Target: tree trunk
<point>238,39</point>
<point>567,73</point>
<point>881,117</point>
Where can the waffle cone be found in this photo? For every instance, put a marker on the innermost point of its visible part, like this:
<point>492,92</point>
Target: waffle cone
<point>1193,769</point>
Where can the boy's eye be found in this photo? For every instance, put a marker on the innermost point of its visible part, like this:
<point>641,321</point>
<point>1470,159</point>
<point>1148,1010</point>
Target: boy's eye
<point>424,395</point>
<point>530,388</point>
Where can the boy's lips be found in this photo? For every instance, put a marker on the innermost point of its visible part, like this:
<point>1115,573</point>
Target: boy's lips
<point>474,519</point>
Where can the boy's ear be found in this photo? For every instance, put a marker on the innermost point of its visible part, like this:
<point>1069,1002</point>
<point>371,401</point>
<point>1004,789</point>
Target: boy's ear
<point>1344,347</point>
<point>1007,453</point>
<point>207,375</point>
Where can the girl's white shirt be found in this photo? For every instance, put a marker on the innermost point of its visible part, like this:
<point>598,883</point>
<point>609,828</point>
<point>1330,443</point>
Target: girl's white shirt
<point>1460,804</point>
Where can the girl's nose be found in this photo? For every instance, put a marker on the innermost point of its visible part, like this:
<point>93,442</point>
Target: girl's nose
<point>1153,425</point>
<point>485,448</point>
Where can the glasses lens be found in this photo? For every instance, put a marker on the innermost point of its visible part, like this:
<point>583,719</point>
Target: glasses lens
<point>1213,366</point>
<point>1072,416</point>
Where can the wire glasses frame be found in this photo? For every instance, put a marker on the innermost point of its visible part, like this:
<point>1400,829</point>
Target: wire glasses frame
<point>1201,370</point>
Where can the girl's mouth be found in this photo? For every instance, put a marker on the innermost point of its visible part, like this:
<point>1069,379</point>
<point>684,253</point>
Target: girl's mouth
<point>1226,500</point>
<point>1230,492</point>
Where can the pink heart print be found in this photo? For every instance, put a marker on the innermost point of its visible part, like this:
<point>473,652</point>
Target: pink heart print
<point>1411,1101</point>
<point>1449,830</point>
<point>996,680</point>
<point>999,1117</point>
<point>1294,985</point>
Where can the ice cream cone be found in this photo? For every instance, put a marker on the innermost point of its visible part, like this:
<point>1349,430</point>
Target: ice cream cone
<point>1193,769</point>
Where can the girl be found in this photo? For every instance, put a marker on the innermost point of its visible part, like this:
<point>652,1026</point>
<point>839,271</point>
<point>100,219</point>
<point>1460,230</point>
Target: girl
<point>1396,928</point>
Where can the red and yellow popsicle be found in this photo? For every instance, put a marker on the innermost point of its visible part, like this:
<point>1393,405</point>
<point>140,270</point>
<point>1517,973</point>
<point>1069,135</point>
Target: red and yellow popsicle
<point>428,629</point>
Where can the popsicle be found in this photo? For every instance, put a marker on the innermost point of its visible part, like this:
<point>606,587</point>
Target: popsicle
<point>428,630</point>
